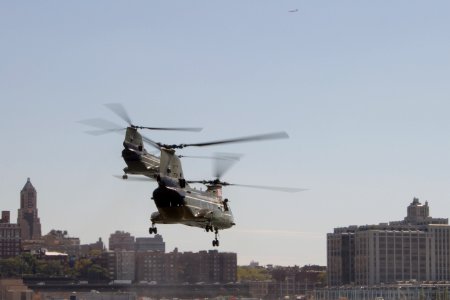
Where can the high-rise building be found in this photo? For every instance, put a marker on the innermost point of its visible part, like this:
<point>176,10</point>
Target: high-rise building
<point>27,217</point>
<point>86,249</point>
<point>121,264</point>
<point>121,240</point>
<point>150,266</point>
<point>59,241</point>
<point>209,266</point>
<point>204,266</point>
<point>155,243</point>
<point>416,248</point>
<point>10,240</point>
<point>6,216</point>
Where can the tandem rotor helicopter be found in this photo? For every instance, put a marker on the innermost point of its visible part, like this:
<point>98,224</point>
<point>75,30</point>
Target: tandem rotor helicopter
<point>177,202</point>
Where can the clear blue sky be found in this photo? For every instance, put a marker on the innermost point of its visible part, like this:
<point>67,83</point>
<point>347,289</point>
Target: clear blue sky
<point>362,88</point>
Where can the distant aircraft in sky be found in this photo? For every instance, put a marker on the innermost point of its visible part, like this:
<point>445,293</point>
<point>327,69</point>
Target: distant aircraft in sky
<point>294,10</point>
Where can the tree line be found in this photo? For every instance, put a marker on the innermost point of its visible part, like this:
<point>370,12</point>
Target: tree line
<point>34,266</point>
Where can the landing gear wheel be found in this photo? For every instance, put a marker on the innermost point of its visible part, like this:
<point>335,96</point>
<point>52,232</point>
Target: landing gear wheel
<point>153,230</point>
<point>208,228</point>
<point>215,242</point>
<point>124,176</point>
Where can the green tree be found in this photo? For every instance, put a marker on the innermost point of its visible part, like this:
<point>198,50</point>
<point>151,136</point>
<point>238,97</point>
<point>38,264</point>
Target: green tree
<point>11,267</point>
<point>252,274</point>
<point>421,294</point>
<point>279,274</point>
<point>85,268</point>
<point>29,263</point>
<point>322,278</point>
<point>97,273</point>
<point>81,267</point>
<point>49,268</point>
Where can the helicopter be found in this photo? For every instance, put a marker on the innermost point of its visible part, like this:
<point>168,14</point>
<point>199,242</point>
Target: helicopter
<point>176,200</point>
<point>180,203</point>
<point>136,157</point>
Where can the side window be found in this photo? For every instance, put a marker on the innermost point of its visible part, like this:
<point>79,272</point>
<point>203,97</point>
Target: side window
<point>225,204</point>
<point>182,182</point>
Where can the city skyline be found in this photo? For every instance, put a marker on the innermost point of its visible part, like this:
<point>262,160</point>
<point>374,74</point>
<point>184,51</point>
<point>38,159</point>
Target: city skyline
<point>360,87</point>
<point>415,248</point>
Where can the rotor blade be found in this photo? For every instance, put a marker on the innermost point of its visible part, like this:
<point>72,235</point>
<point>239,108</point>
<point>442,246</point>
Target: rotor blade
<point>273,188</point>
<point>101,132</point>
<point>210,157</point>
<point>120,111</point>
<point>134,178</point>
<point>196,156</point>
<point>264,187</point>
<point>196,181</point>
<point>196,129</point>
<point>224,162</point>
<point>104,126</point>
<point>260,137</point>
<point>151,142</point>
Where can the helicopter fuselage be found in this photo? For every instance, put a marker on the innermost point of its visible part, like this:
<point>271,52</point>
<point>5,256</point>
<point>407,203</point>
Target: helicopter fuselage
<point>190,206</point>
<point>138,160</point>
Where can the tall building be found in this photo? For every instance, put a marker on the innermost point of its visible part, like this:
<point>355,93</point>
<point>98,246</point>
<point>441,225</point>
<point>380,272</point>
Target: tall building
<point>121,240</point>
<point>155,243</point>
<point>209,266</point>
<point>204,266</point>
<point>121,264</point>
<point>59,241</point>
<point>6,216</point>
<point>416,248</point>
<point>27,216</point>
<point>10,240</point>
<point>86,249</point>
<point>150,266</point>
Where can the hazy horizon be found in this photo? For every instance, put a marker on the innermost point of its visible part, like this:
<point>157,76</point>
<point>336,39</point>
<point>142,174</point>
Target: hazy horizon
<point>361,87</point>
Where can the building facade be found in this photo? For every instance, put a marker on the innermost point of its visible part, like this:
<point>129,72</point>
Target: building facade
<point>399,291</point>
<point>87,249</point>
<point>151,267</point>
<point>59,241</point>
<point>121,240</point>
<point>121,264</point>
<point>14,289</point>
<point>179,267</point>
<point>27,216</point>
<point>416,248</point>
<point>10,240</point>
<point>155,243</point>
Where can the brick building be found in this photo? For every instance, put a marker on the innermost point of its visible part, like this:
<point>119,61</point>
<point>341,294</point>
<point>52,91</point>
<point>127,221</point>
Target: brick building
<point>27,216</point>
<point>59,241</point>
<point>155,243</point>
<point>10,241</point>
<point>416,248</point>
<point>121,264</point>
<point>175,267</point>
<point>121,240</point>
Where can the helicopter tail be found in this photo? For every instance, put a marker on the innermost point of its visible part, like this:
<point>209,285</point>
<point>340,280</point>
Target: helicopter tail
<point>170,164</point>
<point>133,139</point>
